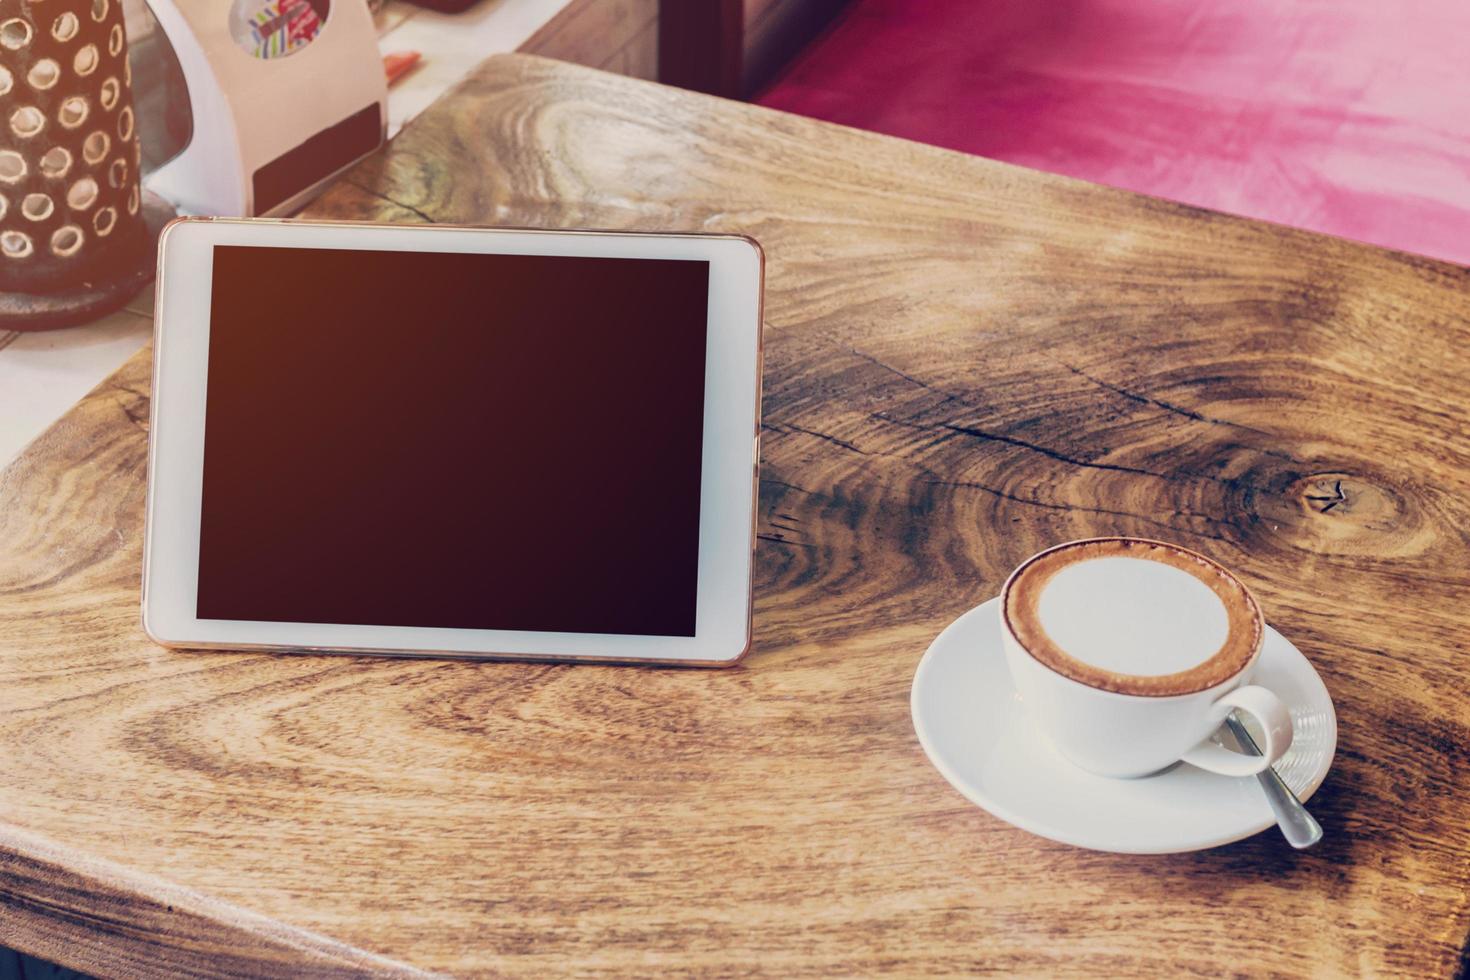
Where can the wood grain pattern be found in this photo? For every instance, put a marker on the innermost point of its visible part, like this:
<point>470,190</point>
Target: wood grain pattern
<point>64,905</point>
<point>965,362</point>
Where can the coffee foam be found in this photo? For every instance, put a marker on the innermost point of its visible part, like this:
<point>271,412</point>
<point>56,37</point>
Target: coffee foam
<point>1133,616</point>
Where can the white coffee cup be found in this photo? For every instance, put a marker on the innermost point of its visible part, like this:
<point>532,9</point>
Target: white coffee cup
<point>1130,653</point>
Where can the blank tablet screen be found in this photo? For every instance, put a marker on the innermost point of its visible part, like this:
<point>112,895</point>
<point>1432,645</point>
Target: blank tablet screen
<point>453,440</point>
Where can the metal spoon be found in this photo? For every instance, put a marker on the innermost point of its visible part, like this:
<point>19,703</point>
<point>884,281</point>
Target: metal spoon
<point>1299,827</point>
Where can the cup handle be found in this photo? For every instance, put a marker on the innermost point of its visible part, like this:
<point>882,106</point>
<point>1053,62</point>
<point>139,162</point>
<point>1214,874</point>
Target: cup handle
<point>1275,721</point>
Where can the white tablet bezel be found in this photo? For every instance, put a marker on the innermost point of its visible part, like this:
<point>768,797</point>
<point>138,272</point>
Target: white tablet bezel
<point>729,462</point>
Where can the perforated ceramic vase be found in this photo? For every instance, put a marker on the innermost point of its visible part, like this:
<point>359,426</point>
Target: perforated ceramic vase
<point>71,215</point>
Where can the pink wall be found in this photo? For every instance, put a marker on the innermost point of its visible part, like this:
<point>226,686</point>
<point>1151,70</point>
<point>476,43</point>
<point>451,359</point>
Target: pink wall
<point>1350,117</point>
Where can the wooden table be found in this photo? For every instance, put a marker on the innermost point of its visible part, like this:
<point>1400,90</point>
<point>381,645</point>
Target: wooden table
<point>965,362</point>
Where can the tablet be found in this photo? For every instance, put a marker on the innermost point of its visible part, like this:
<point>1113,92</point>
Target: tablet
<point>442,441</point>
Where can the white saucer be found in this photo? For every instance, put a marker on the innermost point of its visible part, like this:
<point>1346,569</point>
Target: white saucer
<point>978,734</point>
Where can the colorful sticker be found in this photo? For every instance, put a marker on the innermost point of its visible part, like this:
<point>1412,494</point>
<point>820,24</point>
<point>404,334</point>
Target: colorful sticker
<point>276,28</point>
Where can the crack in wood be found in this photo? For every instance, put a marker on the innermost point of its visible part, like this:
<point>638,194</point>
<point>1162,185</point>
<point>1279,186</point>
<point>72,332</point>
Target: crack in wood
<point>1179,410</point>
<point>1046,451</point>
<point>948,396</point>
<point>824,436</point>
<point>393,201</point>
<point>777,539</point>
<point>1116,389</point>
<point>1333,499</point>
<point>137,415</point>
<point>1229,482</point>
<point>937,480</point>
